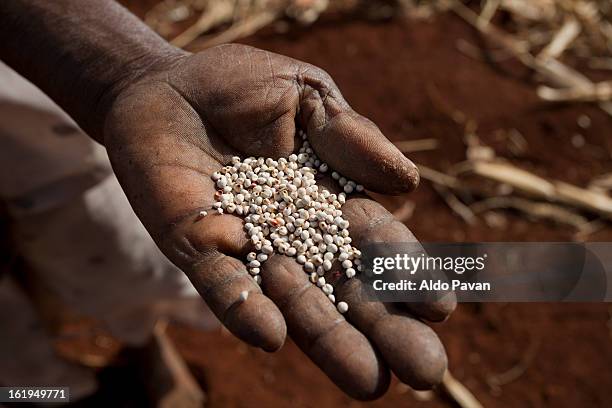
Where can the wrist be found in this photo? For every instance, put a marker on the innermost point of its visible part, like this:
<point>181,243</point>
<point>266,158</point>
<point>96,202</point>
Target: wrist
<point>81,53</point>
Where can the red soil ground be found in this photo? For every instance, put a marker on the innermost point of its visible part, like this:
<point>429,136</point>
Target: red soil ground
<point>404,76</point>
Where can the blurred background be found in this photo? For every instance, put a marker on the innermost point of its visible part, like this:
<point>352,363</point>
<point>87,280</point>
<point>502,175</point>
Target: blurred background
<point>506,106</point>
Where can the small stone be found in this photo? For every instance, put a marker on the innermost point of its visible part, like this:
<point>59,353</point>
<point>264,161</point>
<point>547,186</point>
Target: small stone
<point>584,121</point>
<point>578,140</point>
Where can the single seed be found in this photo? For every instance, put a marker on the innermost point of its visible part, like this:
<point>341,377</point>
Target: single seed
<point>254,264</point>
<point>342,307</point>
<point>584,121</point>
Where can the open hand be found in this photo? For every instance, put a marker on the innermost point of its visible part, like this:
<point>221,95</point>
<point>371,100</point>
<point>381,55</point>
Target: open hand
<point>169,131</point>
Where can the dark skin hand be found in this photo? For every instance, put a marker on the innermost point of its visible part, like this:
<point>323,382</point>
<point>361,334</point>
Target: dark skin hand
<point>180,118</point>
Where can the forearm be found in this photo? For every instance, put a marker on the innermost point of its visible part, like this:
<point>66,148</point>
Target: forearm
<point>80,52</point>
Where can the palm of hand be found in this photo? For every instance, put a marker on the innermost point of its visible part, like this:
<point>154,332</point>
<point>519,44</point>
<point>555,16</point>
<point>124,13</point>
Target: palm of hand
<point>169,132</point>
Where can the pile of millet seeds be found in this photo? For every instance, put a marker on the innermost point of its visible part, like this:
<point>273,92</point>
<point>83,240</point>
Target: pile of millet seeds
<point>286,212</point>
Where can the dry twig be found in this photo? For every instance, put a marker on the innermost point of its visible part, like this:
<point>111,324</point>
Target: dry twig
<point>244,28</point>
<point>419,145</point>
<point>600,92</point>
<point>564,37</point>
<point>458,392</point>
<point>435,176</point>
<point>550,68</point>
<point>602,183</point>
<point>540,188</point>
<point>507,173</point>
<point>498,380</point>
<point>534,209</point>
<point>589,228</point>
<point>488,11</point>
<point>455,204</point>
<point>217,13</point>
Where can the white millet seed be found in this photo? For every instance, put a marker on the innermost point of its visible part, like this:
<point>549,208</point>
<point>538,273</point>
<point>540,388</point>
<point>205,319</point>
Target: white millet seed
<point>286,212</point>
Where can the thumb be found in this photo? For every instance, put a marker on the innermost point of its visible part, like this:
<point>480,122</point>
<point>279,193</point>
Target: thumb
<point>350,143</point>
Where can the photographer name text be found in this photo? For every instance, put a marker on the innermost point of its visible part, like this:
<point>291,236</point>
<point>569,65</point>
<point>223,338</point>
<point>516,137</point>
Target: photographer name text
<point>431,285</point>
